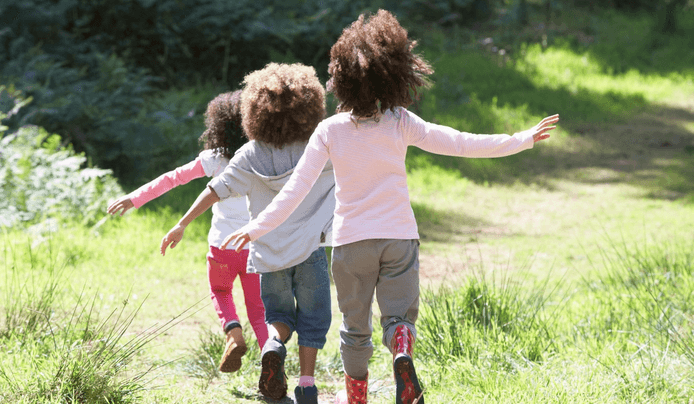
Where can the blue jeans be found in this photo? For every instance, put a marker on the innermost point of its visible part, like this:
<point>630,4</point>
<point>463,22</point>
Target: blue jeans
<point>299,297</point>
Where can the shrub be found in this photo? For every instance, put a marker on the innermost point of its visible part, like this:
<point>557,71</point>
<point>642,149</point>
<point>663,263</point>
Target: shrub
<point>42,178</point>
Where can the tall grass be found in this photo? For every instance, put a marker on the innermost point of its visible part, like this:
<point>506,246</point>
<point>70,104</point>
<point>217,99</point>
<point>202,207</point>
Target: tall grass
<point>29,295</point>
<point>486,322</point>
<point>54,351</point>
<point>203,359</point>
<point>625,335</point>
<point>647,292</point>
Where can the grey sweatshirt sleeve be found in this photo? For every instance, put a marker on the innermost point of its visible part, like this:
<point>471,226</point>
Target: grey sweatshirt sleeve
<point>235,180</point>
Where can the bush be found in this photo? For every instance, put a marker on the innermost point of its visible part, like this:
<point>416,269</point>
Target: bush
<point>42,178</point>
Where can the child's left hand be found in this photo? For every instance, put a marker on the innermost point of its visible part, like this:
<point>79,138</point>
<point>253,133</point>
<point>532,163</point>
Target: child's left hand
<point>173,237</point>
<point>239,238</point>
<point>540,130</point>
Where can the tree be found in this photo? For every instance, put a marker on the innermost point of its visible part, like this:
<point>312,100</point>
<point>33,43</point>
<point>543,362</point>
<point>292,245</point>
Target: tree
<point>667,15</point>
<point>522,12</point>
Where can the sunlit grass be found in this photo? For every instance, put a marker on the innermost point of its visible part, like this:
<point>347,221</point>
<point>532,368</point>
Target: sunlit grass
<point>561,67</point>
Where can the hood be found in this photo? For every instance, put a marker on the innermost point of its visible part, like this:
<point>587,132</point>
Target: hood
<point>274,166</point>
<point>274,182</point>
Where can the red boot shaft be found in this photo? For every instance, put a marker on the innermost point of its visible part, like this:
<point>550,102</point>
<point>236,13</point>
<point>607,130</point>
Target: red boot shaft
<point>402,342</point>
<point>408,390</point>
<point>355,393</point>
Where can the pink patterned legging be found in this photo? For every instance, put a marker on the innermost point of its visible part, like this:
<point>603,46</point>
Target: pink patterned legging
<point>222,268</point>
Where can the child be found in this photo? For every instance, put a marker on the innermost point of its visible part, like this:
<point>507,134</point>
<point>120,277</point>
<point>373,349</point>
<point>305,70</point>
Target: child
<point>224,134</point>
<point>282,104</point>
<point>375,75</point>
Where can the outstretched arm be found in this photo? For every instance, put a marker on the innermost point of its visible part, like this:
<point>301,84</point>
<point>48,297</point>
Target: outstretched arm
<point>444,140</point>
<point>157,187</point>
<point>204,201</point>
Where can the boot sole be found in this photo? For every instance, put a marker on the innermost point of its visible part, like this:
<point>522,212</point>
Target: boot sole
<point>231,360</point>
<point>272,383</point>
<point>408,390</point>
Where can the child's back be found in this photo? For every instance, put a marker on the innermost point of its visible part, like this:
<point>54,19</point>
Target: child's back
<point>260,170</point>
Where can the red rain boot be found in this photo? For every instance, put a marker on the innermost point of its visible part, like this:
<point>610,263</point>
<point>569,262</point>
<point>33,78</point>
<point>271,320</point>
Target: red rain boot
<point>408,389</point>
<point>355,393</point>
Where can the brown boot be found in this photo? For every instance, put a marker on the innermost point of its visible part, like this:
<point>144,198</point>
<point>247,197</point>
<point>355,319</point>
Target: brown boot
<point>408,390</point>
<point>234,350</point>
<point>355,393</point>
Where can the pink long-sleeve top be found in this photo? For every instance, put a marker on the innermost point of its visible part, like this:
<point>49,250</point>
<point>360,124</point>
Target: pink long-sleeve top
<point>228,215</point>
<point>368,156</point>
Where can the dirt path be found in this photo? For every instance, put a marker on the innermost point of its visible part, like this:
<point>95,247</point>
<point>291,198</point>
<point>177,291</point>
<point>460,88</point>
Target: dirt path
<point>604,181</point>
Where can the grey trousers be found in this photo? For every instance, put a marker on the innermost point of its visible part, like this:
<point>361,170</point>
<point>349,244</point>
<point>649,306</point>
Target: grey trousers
<point>385,266</point>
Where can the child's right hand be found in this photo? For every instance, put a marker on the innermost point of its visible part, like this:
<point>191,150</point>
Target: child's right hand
<point>237,239</point>
<point>123,202</point>
<point>173,237</point>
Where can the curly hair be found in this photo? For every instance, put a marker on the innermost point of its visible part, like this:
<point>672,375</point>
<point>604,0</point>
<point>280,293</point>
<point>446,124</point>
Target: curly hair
<point>373,62</point>
<point>282,103</point>
<point>224,131</point>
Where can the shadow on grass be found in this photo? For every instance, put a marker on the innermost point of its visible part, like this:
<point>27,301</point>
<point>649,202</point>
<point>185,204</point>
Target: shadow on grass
<point>439,225</point>
<point>612,137</point>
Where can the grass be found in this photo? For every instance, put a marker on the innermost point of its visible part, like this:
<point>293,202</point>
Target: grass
<point>621,333</point>
<point>567,268</point>
<point>57,352</point>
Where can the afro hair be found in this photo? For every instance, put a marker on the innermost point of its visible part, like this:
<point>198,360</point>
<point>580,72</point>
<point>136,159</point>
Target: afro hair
<point>372,62</point>
<point>282,103</point>
<point>223,124</point>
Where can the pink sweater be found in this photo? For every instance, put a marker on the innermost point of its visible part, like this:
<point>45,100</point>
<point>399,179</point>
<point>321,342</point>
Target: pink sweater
<point>368,156</point>
<point>166,182</point>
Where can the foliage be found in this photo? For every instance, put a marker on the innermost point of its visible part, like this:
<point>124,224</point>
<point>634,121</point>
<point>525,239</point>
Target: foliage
<point>94,68</point>
<point>86,96</point>
<point>91,65</point>
<point>40,178</point>
<point>181,41</point>
<point>443,12</point>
